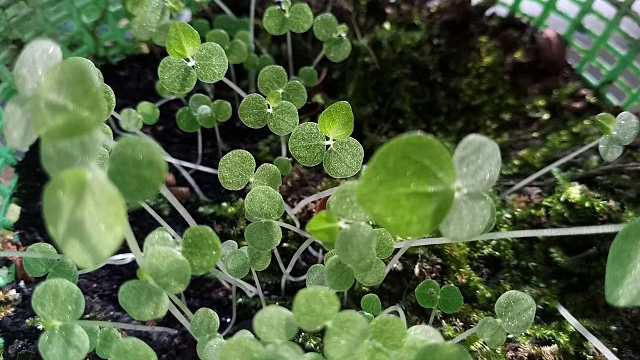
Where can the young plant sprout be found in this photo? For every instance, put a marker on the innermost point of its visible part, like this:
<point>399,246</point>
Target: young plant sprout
<point>447,299</point>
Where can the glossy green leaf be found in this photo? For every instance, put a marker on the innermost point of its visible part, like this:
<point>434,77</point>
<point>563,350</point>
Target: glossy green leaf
<point>610,149</point>
<point>201,26</point>
<point>85,215</point>
<point>158,238</point>
<point>295,93</point>
<point>187,120</point>
<point>347,332</point>
<point>206,118</point>
<point>202,248</point>
<point>67,341</point>
<point>471,215</point>
<point>274,98</point>
<point>308,76</point>
<point>219,37</point>
<point>162,91</point>
<point>324,226</point>
<point>325,26</point>
<point>92,332</point>
<point>415,173</point>
<point>222,110</point>
<point>283,164</point>
<point>210,347</point>
<point>315,275</point>
<point>263,202</point>
<point>384,243</point>
<point>626,128</point>
<point>300,18</point>
<point>196,101</point>
<point>227,247</point>
<point>343,203</point>
<point>254,111</point>
<point>283,119</point>
<point>263,235</point>
<point>516,311</point>
<point>63,269</point>
<point>491,332</point>
<point>211,63</point>
<point>107,338</point>
<point>241,348</point>
<point>183,41</point>
<point>307,144</point>
<point>371,304</point>
<point>371,272</point>
<point>389,331</point>
<point>356,244</point>
<point>159,37</point>
<point>274,324</point>
<point>130,120</point>
<point>337,49</point>
<point>259,260</point>
<point>243,36</point>
<point>231,24</point>
<point>315,306</point>
<point>176,75</point>
<point>169,269</point>
<point>149,17</point>
<point>237,52</point>
<point>236,169</point>
<point>439,351</point>
<point>205,322</point>
<point>427,293</point>
<point>143,301</point>
<point>109,101</point>
<point>149,112</point>
<point>137,168</point>
<point>237,264</point>
<point>344,158</point>
<point>58,300</point>
<point>275,21</point>
<point>337,121</point>
<point>17,128</point>
<point>450,299</point>
<point>477,162</point>
<point>37,267</point>
<point>425,333</point>
<point>267,175</point>
<point>605,122</point>
<point>623,269</point>
<point>272,78</point>
<point>69,101</point>
<point>131,348</point>
<point>35,59</point>
<point>338,275</point>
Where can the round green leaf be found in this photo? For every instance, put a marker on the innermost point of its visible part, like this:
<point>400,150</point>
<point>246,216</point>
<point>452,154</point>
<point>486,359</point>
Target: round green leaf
<point>201,247</point>
<point>283,119</point>
<point>201,26</point>
<point>149,16</point>
<point>176,75</point>
<point>92,332</point>
<point>415,173</point>
<point>610,149</point>
<point>262,202</point>
<point>67,341</point>
<point>275,21</point>
<point>439,351</point>
<point>425,333</point>
<point>187,120</point>
<point>275,323</point>
<point>196,101</point>
<point>471,215</point>
<point>137,168</point>
<point>308,76</point>
<point>109,101</point>
<point>237,264</point>
<point>259,260</point>
<point>427,293</point>
<point>143,301</point>
<point>491,332</point>
<point>227,247</point>
<point>337,49</point>
<point>131,348</point>
<point>243,36</point>
<point>300,18</point>
<point>222,110</point>
<point>37,267</point>
<point>34,60</point>
<point>347,332</point>
<point>371,304</point>
<point>241,348</point>
<point>324,226</point>
<point>450,299</point>
<point>64,269</point>
<point>263,235</point>
<point>158,238</point>
<point>159,37</point>
<point>477,163</point>
<point>149,112</point>
<point>231,24</point>
<point>605,122</point>
<point>623,270</point>
<point>384,243</point>
<point>182,40</point>
<point>254,111</point>
<point>17,128</point>
<point>283,164</point>
<point>343,203</point>
<point>337,121</point>
<point>295,93</point>
<point>338,275</point>
<point>389,331</point>
<point>58,300</point>
<point>205,117</point>
<point>236,169</point>
<point>211,63</point>
<point>371,273</point>
<point>219,37</point>
<point>162,91</point>
<point>267,175</point>
<point>314,306</point>
<point>274,98</point>
<point>205,322</point>
<point>315,275</point>
<point>626,128</point>
<point>169,269</point>
<point>237,52</point>
<point>85,215</point>
<point>356,244</point>
<point>284,350</point>
<point>344,158</point>
<point>210,348</point>
<point>69,101</point>
<point>107,338</point>
<point>272,78</point>
<point>130,120</point>
<point>312,356</point>
<point>325,26</point>
<point>307,144</point>
<point>516,311</point>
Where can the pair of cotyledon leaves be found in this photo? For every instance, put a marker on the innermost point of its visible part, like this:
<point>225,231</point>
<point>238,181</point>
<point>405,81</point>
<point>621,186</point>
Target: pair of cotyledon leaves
<point>448,298</point>
<point>202,112</point>
<point>515,312</point>
<point>618,132</point>
<point>430,189</point>
<point>210,63</point>
<point>297,18</point>
<point>335,44</point>
<point>238,262</point>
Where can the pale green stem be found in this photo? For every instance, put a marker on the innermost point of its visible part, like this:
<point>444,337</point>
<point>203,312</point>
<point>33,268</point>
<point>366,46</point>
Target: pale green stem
<point>296,230</point>
<point>191,165</point>
<point>252,37</point>
<point>133,245</point>
<point>317,60</point>
<point>164,101</point>
<point>260,294</point>
<point>224,8</point>
<point>323,194</point>
<point>124,326</point>
<point>161,221</point>
<point>178,315</point>
<point>547,169</point>
<point>31,254</point>
<point>283,146</point>
<point>199,158</point>
<point>398,255</point>
<point>290,54</point>
<point>178,206</point>
<point>433,316</point>
<point>589,336</point>
<point>219,142</point>
<point>181,305</point>
<point>292,215</point>
<point>234,87</point>
<point>233,311</point>
<point>285,275</point>
<point>248,289</point>
<point>464,335</point>
<point>398,310</point>
<point>232,74</point>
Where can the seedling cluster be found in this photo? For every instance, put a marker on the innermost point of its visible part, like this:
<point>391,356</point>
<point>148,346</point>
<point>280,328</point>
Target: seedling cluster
<point>412,187</point>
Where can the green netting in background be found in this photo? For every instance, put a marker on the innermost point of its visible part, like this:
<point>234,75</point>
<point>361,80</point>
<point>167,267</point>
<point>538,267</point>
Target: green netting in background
<point>603,36</point>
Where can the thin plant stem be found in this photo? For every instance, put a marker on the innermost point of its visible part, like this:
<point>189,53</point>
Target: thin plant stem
<point>398,255</point>
<point>290,53</point>
<point>397,309</point>
<point>298,231</point>
<point>178,315</point>
<point>161,221</point>
<point>292,215</point>
<point>199,158</point>
<point>260,294</point>
<point>299,252</point>
<point>31,254</point>
<point>191,165</point>
<point>233,311</point>
<point>309,199</point>
<point>252,24</point>
<point>589,336</point>
<point>181,305</point>
<point>124,326</point>
<point>285,275</point>
<point>232,74</point>
<point>191,181</point>
<point>248,289</point>
<point>133,245</point>
<point>283,146</point>
<point>318,58</point>
<point>433,316</point>
<point>234,87</point>
<point>345,297</point>
<point>178,206</point>
<point>464,335</point>
<point>218,141</point>
<point>118,259</point>
<point>547,169</point>
<point>164,101</point>
<point>224,8</point>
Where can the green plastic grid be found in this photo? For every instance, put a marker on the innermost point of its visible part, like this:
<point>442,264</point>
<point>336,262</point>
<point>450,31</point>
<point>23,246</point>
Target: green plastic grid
<point>604,40</point>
